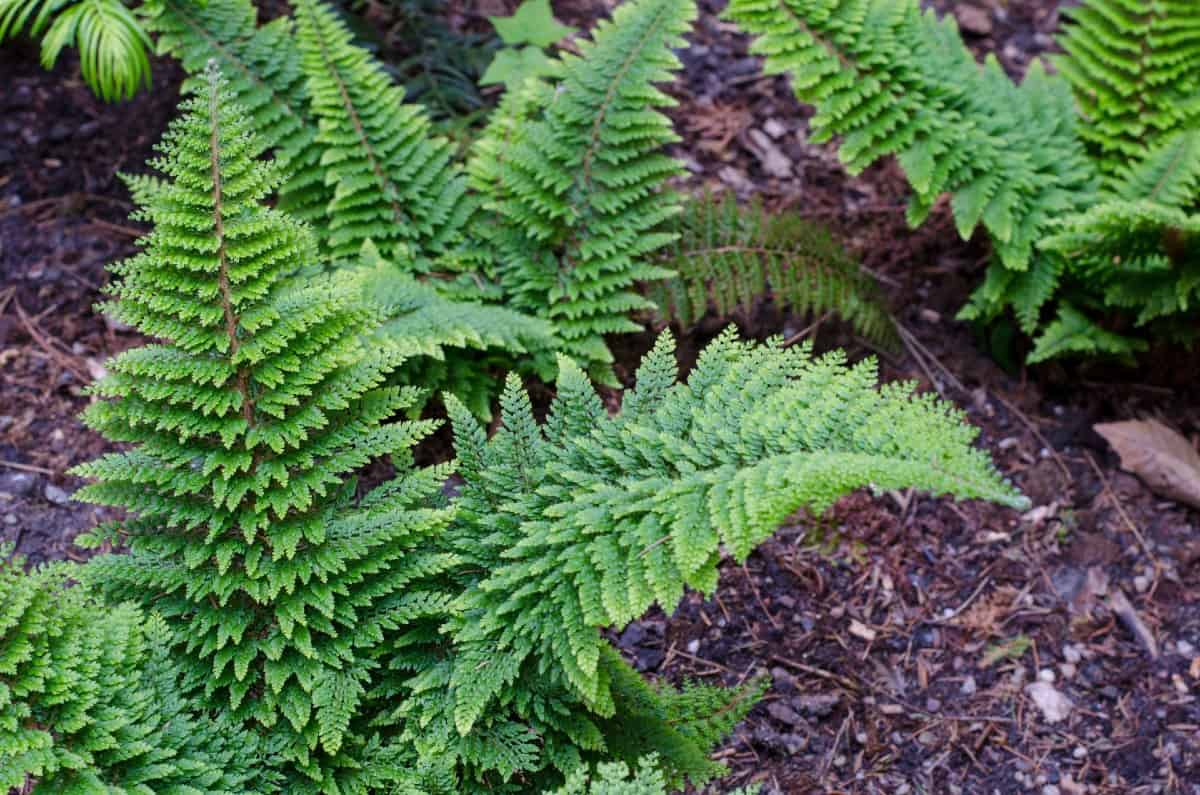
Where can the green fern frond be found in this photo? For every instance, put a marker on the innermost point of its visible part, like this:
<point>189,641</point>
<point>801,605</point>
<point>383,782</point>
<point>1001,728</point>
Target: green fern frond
<point>571,171</point>
<point>729,257</point>
<point>112,45</point>
<point>1135,68</point>
<point>90,700</point>
<point>262,67</point>
<point>245,425</point>
<point>1072,333</point>
<point>587,521</point>
<point>1167,175</point>
<point>394,182</point>
<point>890,79</point>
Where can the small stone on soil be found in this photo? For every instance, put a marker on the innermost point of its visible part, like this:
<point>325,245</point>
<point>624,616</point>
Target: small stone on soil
<point>17,484</point>
<point>56,495</point>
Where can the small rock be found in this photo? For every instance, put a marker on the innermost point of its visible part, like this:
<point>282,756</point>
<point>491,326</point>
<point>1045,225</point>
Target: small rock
<point>1067,670</point>
<point>18,484</point>
<point>1053,704</point>
<point>87,129</point>
<point>1046,675</point>
<point>1141,583</point>
<point>10,519</point>
<point>774,128</point>
<point>1080,752</point>
<point>632,636</point>
<point>974,19</point>
<point>818,705</point>
<point>693,646</point>
<point>770,157</point>
<point>1071,654</point>
<point>969,686</point>
<point>56,495</point>
<point>932,705</point>
<point>1050,789</point>
<point>1185,648</point>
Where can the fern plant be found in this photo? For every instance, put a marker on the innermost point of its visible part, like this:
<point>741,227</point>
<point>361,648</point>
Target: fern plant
<point>729,258</point>
<point>1041,178</point>
<point>586,521</point>
<point>570,171</point>
<point>246,423</point>
<point>90,701</point>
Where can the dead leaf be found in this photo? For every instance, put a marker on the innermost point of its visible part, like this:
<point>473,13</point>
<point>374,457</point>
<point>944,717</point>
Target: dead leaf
<point>1160,456</point>
<point>858,629</point>
<point>1050,700</point>
<point>1011,650</point>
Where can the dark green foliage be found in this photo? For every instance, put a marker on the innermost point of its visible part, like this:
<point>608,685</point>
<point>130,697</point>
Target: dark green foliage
<point>891,79</point>
<point>571,173</point>
<point>728,258</point>
<point>1135,68</point>
<point>588,520</point>
<point>90,701</point>
<point>393,181</point>
<point>245,425</point>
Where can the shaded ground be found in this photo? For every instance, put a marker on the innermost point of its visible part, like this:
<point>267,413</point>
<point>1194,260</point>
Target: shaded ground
<point>906,637</point>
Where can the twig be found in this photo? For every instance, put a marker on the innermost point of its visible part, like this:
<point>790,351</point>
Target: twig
<point>1119,604</point>
<point>27,467</point>
<point>753,587</point>
<point>828,760</point>
<point>958,610</point>
<point>802,333</point>
<point>118,228</point>
<point>924,359</point>
<point>1112,495</point>
<point>1028,423</point>
<point>35,333</point>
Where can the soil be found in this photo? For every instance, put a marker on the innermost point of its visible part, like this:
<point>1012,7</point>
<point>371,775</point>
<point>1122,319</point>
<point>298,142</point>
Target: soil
<point>915,645</point>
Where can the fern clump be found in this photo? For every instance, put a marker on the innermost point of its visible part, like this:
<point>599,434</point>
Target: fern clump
<point>587,520</point>
<point>393,181</point>
<point>245,424</point>
<point>731,257</point>
<point>570,173</point>
<point>90,701</point>
<point>1135,69</point>
<point>1049,183</point>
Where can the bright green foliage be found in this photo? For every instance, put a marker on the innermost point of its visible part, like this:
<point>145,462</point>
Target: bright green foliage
<point>393,181</point>
<point>112,45</point>
<point>1135,68</point>
<point>571,172</point>
<point>262,67</point>
<point>245,425</point>
<point>90,701</point>
<point>586,521</point>
<point>730,257</point>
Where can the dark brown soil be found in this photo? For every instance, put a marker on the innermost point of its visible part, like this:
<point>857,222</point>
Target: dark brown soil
<point>905,636</point>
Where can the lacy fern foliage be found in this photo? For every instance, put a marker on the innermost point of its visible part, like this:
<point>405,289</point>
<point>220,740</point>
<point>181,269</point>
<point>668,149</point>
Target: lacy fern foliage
<point>1135,69</point>
<point>588,520</point>
<point>245,425</point>
<point>90,700</point>
<point>571,171</point>
<point>728,258</point>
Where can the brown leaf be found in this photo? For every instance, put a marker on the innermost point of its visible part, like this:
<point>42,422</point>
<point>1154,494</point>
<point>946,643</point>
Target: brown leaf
<point>1161,457</point>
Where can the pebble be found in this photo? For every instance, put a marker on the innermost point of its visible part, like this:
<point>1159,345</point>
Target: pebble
<point>1141,583</point>
<point>693,646</point>
<point>774,128</point>
<point>974,19</point>
<point>1051,789</point>
<point>18,484</point>
<point>1046,675</point>
<point>56,495</point>
<point>10,519</point>
<point>1067,670</point>
<point>969,686</point>
<point>1185,648</point>
<point>1071,654</point>
<point>784,713</point>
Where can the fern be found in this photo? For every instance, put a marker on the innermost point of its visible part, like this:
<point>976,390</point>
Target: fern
<point>245,424</point>
<point>393,181</point>
<point>571,174</point>
<point>730,258</point>
<point>586,521</point>
<point>89,700</point>
<point>1135,69</point>
<point>112,45</point>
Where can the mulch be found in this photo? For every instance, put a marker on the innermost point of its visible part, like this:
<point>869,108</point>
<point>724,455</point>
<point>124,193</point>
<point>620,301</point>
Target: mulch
<point>915,645</point>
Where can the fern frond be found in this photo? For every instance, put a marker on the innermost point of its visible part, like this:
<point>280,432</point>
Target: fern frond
<point>1167,175</point>
<point>394,182</point>
<point>90,700</point>
<point>729,257</point>
<point>1135,68</point>
<point>1072,333</point>
<point>262,67</point>
<point>245,424</point>
<point>588,520</point>
<point>890,79</point>
<point>571,172</point>
<point>112,45</point>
